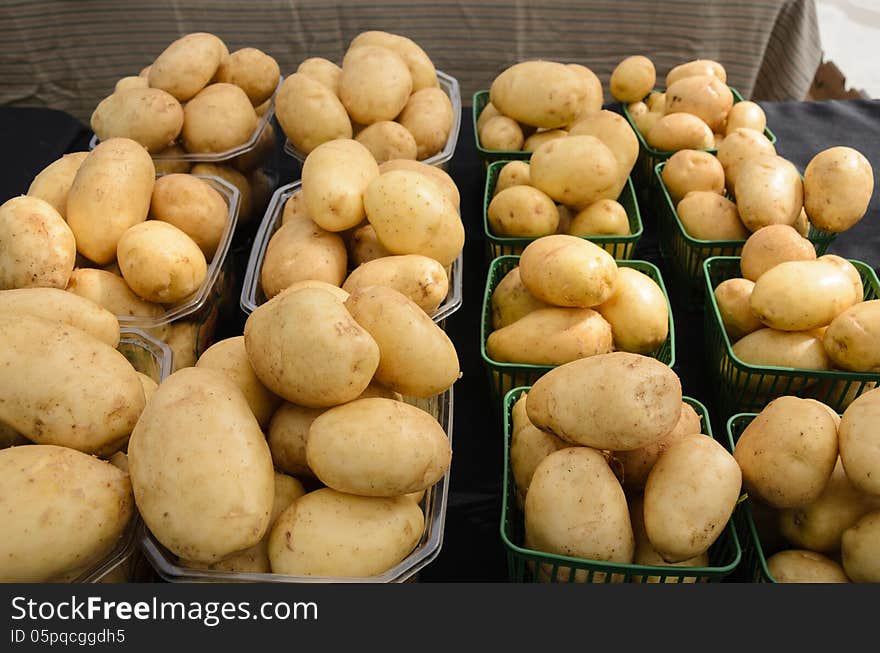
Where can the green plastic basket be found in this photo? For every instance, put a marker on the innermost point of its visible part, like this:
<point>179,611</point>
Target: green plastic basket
<point>504,376</point>
<point>620,247</point>
<point>481,99</point>
<point>686,254</point>
<point>522,563</point>
<point>740,387</point>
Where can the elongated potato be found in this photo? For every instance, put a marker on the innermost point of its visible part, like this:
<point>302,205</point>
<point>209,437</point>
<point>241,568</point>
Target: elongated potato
<point>679,131</point>
<point>768,191</point>
<point>853,337</point>
<point>53,182</point>
<point>738,146</point>
<point>200,502</point>
<point>187,65</point>
<point>321,70</point>
<point>772,245</point>
<point>299,251</point>
<point>838,185</point>
<point>149,116</point>
<point>860,442</point>
<point>420,66</point>
<point>423,280</point>
<point>417,358</point>
<point>375,84</point>
<point>69,388</point>
<point>696,67</point>
<point>782,348</point>
<point>538,138</point>
<point>60,306</point>
<point>219,118</point>
<point>617,401</point>
<point>428,116</point>
<point>637,311</point>
<point>799,566</point>
<point>576,170</point>
<point>704,96</point>
<point>615,132</point>
<point>193,206</point>
<point>111,292</point>
<point>511,300</point>
<point>310,113</point>
<point>522,211</point>
<point>69,511</point>
<point>252,70</point>
<point>539,93</point>
<point>110,193</point>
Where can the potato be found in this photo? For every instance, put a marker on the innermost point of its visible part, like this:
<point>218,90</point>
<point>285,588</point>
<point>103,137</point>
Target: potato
<point>111,292</point>
<point>617,401</point>
<point>690,170</point>
<point>298,358</point>
<point>514,173</point>
<point>801,295</point>
<point>706,215</point>
<point>696,67</point>
<point>246,203</point>
<point>412,215</point>
<point>601,218</point>
<point>149,116</point>
<point>301,251</point>
<point>787,453</point>
<point>423,280</point>
<point>252,70</point>
<point>679,131</point>
<point>511,300</point>
<point>522,211</point>
<point>200,502</point>
<point>489,111</point>
<point>637,463</point>
<point>341,535</point>
<point>193,206</point>
<point>593,100</point>
<point>364,246</point>
<point>551,336</point>
<point>321,70</point>
<point>310,113</point>
<point>819,525</point>
<point>782,349</point>
<point>501,133</point>
<point>637,109</point>
<point>852,338</point>
<point>646,554</point>
<point>418,62</point>
<point>799,566</point>
<point>768,191</point>
<point>64,307</point>
<point>167,166</point>
<point>656,102</point>
<point>733,298</point>
<point>645,121</point>
<point>859,442</point>
<point>428,116</point>
<point>632,79</point>
<point>802,224</point>
<point>187,65</point>
<point>38,246</point>
<point>859,549</point>
<point>849,269</point>
<point>435,174</point>
<point>746,114</point>
<point>838,184</point>
<point>69,511</point>
<point>110,193</point>
<point>417,358</point>
<point>528,447</point>
<point>219,118</point>
<point>378,448</point>
<point>125,83</point>
<point>740,145</point>
<point>771,245</point>
<point>160,262</point>
<point>539,93</point>
<point>53,182</point>
<point>335,177</point>
<point>287,434</point>
<point>538,138</point>
<point>568,271</point>
<point>637,311</point>
<point>704,96</point>
<point>615,132</point>
<point>575,171</point>
<point>375,84</point>
<point>295,208</point>
<point>387,140</point>
<point>69,388</point>
<point>690,495</point>
<point>575,507</point>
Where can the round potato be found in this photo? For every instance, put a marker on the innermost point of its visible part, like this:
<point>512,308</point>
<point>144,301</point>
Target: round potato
<point>112,293</point>
<point>637,312</point>
<point>593,100</point>
<point>696,67</point>
<point>602,218</point>
<point>769,246</point>
<point>691,170</point>
<point>423,280</point>
<point>568,271</point>
<point>704,96</point>
<point>539,93</point>
<point>576,170</point>
<point>740,145</point>
<point>853,338</point>
<point>160,262</point>
<point>706,215</point>
<point>149,116</point>
<point>679,131</point>
<point>514,173</point>
<point>252,70</point>
<point>300,251</point>
<point>375,84</point>
<point>417,60</point>
<point>310,113</point>
<point>746,114</point>
<point>612,129</point>
<point>782,349</point>
<point>768,191</point>
<point>632,79</point>
<point>799,566</point>
<point>322,70</point>
<point>522,211</point>
<point>511,300</point>
<point>617,401</point>
<point>219,118</point>
<point>859,442</point>
<point>859,549</point>
<point>193,206</point>
<point>733,297</point>
<point>387,140</point>
<point>54,181</point>
<point>838,185</point>
<point>39,248</point>
<point>428,116</point>
<point>501,133</point>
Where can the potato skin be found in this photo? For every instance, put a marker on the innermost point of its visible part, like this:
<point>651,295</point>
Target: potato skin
<point>860,442</point>
<point>594,99</point>
<point>768,191</point>
<point>435,174</point>
<point>321,70</point>
<point>69,510</point>
<point>782,348</point>
<point>852,338</point>
<point>696,67</point>
<point>539,93</point>
<point>187,65</point>
<point>418,62</point>
<point>733,297</point>
<point>53,182</point>
<point>706,215</point>
<point>838,184</point>
<point>428,116</point>
<point>501,133</point>
<point>388,140</point>
<point>193,206</point>
<point>615,132</point>
<point>60,306</point>
<point>799,566</point>
<point>637,312</point>
<point>252,70</point>
<point>420,278</point>
<point>632,79</point>
<point>310,113</point>
<point>679,131</point>
<point>859,549</point>
<point>689,170</point>
<point>738,146</point>
<point>704,96</point>
<point>522,211</point>
<point>746,114</point>
<point>110,291</point>
<point>219,118</point>
<point>771,245</point>
<point>576,170</point>
<point>511,300</point>
<point>149,116</point>
<point>301,251</point>
<point>529,445</point>
<point>375,84</point>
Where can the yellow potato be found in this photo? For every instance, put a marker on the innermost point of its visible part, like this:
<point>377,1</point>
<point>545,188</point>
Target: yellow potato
<point>853,337</point>
<point>859,549</point>
<point>522,211</point>
<point>423,280</point>
<point>740,145</point>
<point>637,312</point>
<point>679,131</point>
<point>601,218</point>
<point>167,166</point>
<point>576,170</point>
<point>539,137</point>
<point>187,65</point>
<point>246,204</point>
<point>850,270</point>
<point>802,224</point>
<point>645,121</point>
<point>733,297</point>
<point>489,111</point>
<point>321,70</point>
<point>54,181</point>
<point>782,349</point>
<point>193,206</point>
<point>528,447</point>
<point>771,245</point>
<point>633,79</point>
<point>799,566</point>
<point>387,140</point>
<point>126,83</point>
<point>690,170</point>
<point>511,300</point>
<point>287,434</point>
<point>706,215</point>
<point>637,109</point>
<point>418,62</point>
<point>109,196</point>
<point>539,93</point>
<point>838,185</point>
<point>656,102</point>
<point>38,249</point>
<point>364,246</point>
<point>768,191</point>
<point>435,174</point>
<point>501,133</point>
<point>515,173</point>
<point>612,129</point>
<point>111,292</point>
<point>65,307</point>
<point>219,118</point>
<point>300,251</point>
<point>859,442</point>
<point>704,96</point>
<point>746,114</point>
<point>149,116</point>
<point>310,113</point>
<point>593,100</point>
<point>428,116</point>
<point>295,208</point>
<point>696,67</point>
<point>69,511</point>
<point>375,84</point>
<point>252,70</point>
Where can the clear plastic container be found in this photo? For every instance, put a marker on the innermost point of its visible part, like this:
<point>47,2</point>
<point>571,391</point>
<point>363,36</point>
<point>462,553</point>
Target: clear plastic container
<point>450,85</point>
<point>252,293</point>
<point>433,504</point>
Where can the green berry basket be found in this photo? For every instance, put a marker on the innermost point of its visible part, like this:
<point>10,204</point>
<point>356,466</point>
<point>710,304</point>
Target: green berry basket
<point>686,254</point>
<point>504,376</point>
<point>620,247</point>
<point>481,99</point>
<point>741,387</point>
<point>529,566</point>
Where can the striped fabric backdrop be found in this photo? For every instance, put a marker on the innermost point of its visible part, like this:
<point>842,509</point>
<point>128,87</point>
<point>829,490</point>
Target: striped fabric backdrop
<point>68,54</point>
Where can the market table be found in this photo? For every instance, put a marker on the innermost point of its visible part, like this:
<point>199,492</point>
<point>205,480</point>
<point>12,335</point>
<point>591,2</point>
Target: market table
<point>472,549</point>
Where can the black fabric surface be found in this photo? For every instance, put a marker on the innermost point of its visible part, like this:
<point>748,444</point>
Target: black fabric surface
<point>472,549</point>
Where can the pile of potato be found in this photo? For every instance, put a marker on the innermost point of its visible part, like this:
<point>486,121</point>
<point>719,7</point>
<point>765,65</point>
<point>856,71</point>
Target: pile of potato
<point>813,481</point>
<point>356,223</point>
<point>533,102</point>
<point>385,95</point>
<point>567,299</point>
<point>323,374</point>
<point>610,465</point>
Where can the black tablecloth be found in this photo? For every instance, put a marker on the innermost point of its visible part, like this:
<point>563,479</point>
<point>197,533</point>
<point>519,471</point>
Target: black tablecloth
<point>472,549</point>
